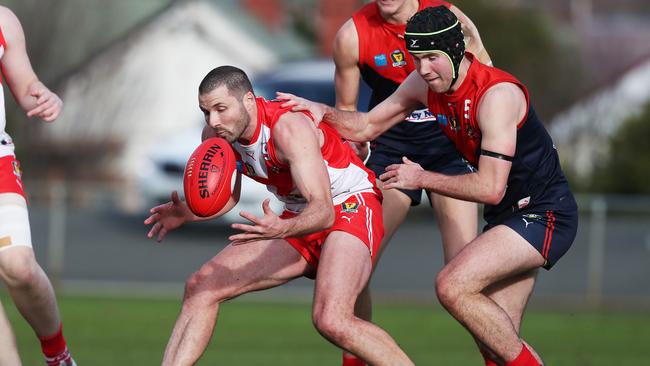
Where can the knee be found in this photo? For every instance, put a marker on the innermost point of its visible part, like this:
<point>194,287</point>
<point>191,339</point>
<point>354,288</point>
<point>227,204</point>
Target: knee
<point>448,288</point>
<point>21,269</point>
<point>331,324</point>
<point>199,288</point>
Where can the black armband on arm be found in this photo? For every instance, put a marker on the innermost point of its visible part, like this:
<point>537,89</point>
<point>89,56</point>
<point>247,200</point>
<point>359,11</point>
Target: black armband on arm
<point>492,154</point>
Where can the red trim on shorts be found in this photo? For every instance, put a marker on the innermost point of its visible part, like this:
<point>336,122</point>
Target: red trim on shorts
<point>548,237</point>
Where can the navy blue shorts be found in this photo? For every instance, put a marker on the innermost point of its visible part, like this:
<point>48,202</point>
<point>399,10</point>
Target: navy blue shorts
<point>551,230</point>
<point>448,162</point>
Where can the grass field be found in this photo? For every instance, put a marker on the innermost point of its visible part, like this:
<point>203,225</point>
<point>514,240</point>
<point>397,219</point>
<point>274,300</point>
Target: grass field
<point>128,331</point>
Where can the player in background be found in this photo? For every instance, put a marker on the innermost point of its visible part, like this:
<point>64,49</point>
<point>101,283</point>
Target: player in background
<point>370,45</point>
<point>28,285</point>
<point>330,230</point>
<point>530,212</point>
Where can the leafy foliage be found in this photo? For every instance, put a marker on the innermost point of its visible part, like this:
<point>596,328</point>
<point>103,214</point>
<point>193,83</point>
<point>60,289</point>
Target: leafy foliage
<point>628,168</point>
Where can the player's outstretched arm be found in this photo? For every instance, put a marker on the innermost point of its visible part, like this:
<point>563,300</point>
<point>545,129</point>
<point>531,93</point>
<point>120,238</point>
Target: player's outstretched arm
<point>473,44</point>
<point>358,126</point>
<point>297,143</point>
<point>34,97</point>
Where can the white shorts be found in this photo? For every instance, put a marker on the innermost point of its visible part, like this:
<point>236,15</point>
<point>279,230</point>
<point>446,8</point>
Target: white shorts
<point>14,222</point>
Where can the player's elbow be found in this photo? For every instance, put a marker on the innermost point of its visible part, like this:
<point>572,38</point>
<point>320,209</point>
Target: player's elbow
<point>493,195</point>
<point>328,217</point>
<point>367,133</point>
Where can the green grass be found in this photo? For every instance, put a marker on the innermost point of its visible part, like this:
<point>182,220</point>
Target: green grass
<point>127,331</point>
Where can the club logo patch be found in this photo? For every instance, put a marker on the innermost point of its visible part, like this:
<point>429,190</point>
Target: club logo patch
<point>398,58</point>
<point>350,207</point>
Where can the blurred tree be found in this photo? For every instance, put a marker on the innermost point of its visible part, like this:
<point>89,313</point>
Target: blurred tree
<point>627,170</point>
<point>533,47</point>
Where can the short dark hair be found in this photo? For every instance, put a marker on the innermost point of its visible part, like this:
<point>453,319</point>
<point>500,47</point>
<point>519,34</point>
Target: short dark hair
<point>233,78</point>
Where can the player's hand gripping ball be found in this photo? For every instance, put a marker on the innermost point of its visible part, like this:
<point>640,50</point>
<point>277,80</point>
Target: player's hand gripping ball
<point>210,176</point>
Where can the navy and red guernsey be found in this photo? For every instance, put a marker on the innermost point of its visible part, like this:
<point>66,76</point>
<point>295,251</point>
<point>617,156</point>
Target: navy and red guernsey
<point>384,64</point>
<point>537,189</point>
<point>535,171</point>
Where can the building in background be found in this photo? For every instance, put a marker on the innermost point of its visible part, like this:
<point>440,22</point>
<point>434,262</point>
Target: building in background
<point>142,89</point>
<point>583,132</point>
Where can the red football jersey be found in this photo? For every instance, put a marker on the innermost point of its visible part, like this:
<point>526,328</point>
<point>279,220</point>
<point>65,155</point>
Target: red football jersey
<point>381,44</point>
<point>348,175</point>
<point>456,112</point>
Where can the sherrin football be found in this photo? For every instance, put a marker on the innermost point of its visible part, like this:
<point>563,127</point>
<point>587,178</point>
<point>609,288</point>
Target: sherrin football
<point>210,177</point>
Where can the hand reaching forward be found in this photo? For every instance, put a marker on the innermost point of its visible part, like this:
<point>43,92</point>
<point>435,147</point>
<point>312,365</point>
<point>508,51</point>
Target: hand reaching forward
<point>167,217</point>
<point>271,226</point>
<point>404,176</point>
<point>299,104</point>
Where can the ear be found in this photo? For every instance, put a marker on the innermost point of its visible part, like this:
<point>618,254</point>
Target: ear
<point>249,98</point>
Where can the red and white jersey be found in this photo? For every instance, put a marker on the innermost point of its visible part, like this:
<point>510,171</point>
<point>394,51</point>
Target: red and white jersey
<point>348,175</point>
<point>6,146</point>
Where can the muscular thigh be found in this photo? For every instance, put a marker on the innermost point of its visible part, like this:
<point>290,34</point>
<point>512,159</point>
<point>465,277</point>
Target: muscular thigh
<point>457,221</point>
<point>495,255</point>
<point>254,266</point>
<point>344,269</point>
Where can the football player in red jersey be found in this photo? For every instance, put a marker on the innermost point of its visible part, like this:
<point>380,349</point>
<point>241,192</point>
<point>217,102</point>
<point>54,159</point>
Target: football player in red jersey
<point>530,212</point>
<point>370,46</point>
<point>330,229</point>
<point>28,285</point>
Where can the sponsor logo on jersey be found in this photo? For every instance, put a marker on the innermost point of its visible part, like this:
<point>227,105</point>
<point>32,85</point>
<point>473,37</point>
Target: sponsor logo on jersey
<point>249,170</point>
<point>453,123</point>
<point>421,115</point>
<point>523,202</point>
<point>265,151</point>
<point>380,60</point>
<point>350,207</point>
<point>471,132</point>
<point>398,58</point>
<point>442,119</point>
<point>16,167</point>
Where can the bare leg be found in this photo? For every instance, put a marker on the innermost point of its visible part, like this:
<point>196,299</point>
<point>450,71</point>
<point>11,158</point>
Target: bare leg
<point>28,285</point>
<point>395,207</point>
<point>234,271</point>
<point>30,289</point>
<point>343,271</point>
<point>458,226</point>
<point>499,254</point>
<point>8,350</point>
<point>458,223</point>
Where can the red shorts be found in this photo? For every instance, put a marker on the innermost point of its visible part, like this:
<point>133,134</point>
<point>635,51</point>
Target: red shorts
<point>360,215</point>
<point>10,181</point>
